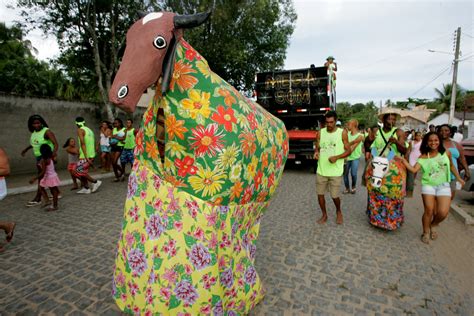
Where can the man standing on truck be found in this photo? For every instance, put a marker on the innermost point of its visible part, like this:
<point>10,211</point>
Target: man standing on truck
<point>332,146</point>
<point>332,68</point>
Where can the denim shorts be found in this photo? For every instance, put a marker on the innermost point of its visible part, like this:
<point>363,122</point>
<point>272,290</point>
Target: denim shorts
<point>104,149</point>
<point>443,189</point>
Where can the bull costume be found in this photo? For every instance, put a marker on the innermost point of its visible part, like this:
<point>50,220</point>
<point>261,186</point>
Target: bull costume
<point>193,206</point>
<point>386,175</point>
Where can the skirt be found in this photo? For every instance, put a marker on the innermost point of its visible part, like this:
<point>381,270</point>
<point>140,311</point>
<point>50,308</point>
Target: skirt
<point>50,181</point>
<point>385,204</point>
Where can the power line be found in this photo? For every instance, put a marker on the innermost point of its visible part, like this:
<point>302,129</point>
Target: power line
<point>467,57</point>
<point>465,34</point>
<point>436,77</point>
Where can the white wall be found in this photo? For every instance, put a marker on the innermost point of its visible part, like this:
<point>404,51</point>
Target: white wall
<point>443,119</point>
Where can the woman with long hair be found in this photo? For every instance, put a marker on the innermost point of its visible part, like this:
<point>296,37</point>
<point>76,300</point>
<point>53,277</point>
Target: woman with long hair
<point>436,164</point>
<point>40,135</point>
<point>457,154</point>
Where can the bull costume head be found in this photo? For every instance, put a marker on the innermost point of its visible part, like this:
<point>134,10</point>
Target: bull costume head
<point>153,38</point>
<point>380,167</point>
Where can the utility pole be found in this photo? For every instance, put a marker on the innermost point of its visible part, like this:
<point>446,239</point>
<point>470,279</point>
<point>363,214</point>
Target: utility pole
<point>455,74</point>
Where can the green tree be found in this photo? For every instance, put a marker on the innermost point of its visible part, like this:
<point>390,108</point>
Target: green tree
<point>344,111</point>
<point>91,37</point>
<point>242,37</point>
<point>366,114</point>
<point>21,72</point>
<point>444,97</point>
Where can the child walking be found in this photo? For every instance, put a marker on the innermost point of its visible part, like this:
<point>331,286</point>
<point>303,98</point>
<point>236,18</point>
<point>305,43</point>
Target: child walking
<point>436,164</point>
<point>48,178</point>
<point>73,158</point>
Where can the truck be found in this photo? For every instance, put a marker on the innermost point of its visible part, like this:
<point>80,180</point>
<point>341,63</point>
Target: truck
<point>300,98</point>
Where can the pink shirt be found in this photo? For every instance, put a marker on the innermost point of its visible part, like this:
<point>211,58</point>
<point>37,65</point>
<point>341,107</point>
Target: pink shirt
<point>415,152</point>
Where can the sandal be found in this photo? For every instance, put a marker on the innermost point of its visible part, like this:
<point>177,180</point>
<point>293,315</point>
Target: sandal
<point>353,191</point>
<point>346,191</point>
<point>51,208</point>
<point>10,233</point>
<point>117,180</point>
<point>425,238</point>
<point>33,203</point>
<point>433,234</point>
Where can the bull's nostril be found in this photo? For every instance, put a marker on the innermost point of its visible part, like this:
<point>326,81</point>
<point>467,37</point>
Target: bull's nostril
<point>123,91</point>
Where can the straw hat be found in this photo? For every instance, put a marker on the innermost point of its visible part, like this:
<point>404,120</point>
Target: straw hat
<point>389,110</point>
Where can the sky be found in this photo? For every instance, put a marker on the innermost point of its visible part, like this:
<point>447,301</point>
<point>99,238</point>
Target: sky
<point>381,47</point>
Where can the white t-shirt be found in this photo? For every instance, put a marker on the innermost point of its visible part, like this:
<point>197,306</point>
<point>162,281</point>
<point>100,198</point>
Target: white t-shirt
<point>457,137</point>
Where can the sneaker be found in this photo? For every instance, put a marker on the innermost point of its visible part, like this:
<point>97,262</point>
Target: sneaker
<point>96,185</point>
<point>84,191</point>
<point>33,203</point>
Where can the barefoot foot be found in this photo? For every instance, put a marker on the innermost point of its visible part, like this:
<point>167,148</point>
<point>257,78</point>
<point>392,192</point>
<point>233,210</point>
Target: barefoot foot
<point>323,219</point>
<point>10,231</point>
<point>339,219</point>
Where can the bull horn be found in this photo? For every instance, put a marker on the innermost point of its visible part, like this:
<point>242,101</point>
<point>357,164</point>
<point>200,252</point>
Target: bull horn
<point>141,14</point>
<point>191,20</point>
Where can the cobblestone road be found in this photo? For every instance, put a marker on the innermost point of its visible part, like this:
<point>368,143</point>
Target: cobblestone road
<point>61,262</point>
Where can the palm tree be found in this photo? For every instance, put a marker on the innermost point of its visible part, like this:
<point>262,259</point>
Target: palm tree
<point>444,96</point>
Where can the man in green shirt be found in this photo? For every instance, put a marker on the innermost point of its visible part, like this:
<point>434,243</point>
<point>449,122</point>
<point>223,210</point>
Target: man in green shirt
<point>86,157</point>
<point>332,146</point>
<point>127,153</point>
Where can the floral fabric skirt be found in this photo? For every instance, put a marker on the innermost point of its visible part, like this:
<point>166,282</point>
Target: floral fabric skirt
<point>179,255</point>
<point>385,204</point>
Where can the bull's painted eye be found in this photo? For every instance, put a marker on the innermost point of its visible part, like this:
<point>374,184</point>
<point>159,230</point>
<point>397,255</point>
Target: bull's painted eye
<point>385,169</point>
<point>159,42</point>
<point>123,91</point>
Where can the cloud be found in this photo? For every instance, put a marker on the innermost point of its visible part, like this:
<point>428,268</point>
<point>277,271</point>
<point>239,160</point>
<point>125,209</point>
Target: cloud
<point>381,47</point>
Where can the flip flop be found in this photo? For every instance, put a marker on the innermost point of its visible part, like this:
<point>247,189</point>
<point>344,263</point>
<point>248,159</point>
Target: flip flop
<point>353,191</point>
<point>433,234</point>
<point>346,191</point>
<point>51,209</point>
<point>10,233</point>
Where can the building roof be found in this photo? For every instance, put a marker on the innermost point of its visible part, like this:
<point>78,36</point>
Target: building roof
<point>420,112</point>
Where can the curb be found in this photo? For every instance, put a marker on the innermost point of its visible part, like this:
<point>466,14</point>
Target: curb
<point>463,215</point>
<point>33,188</point>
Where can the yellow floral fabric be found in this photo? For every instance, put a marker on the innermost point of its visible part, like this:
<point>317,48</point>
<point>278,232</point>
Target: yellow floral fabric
<point>191,223</point>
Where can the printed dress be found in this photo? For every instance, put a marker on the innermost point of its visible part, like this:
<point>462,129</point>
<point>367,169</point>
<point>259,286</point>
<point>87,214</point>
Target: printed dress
<point>385,204</point>
<point>191,222</point>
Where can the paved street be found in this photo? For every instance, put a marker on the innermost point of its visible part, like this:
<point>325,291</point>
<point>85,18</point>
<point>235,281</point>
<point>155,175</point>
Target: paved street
<point>61,262</point>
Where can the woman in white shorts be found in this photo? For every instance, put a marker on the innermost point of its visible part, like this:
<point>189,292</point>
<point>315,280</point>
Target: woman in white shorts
<point>436,165</point>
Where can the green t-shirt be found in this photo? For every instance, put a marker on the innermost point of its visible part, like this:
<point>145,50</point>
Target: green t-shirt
<point>358,150</point>
<point>379,142</point>
<point>130,139</point>
<point>436,170</point>
<point>37,139</point>
<point>119,133</point>
<point>330,144</point>
<point>89,142</point>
